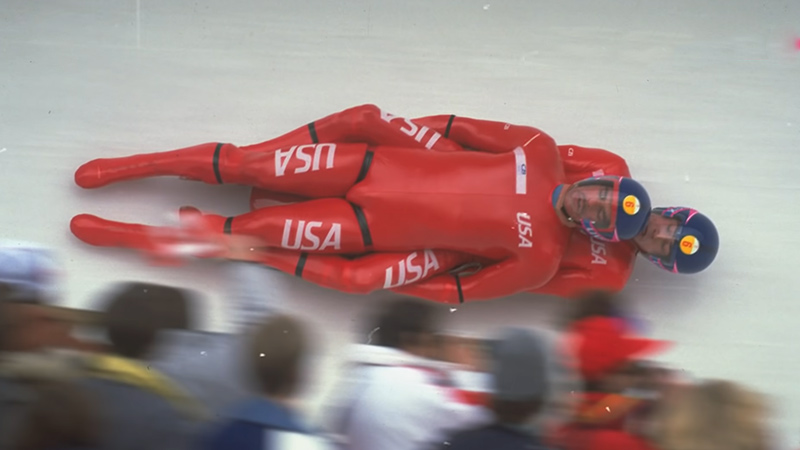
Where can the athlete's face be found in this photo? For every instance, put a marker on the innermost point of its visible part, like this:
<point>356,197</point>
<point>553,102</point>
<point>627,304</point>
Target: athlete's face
<point>592,202</point>
<point>658,236</point>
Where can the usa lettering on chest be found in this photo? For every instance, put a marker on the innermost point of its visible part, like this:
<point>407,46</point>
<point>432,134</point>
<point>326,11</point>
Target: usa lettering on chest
<point>524,230</point>
<point>411,129</point>
<point>599,251</point>
<point>411,269</point>
<point>310,156</point>
<point>307,235</point>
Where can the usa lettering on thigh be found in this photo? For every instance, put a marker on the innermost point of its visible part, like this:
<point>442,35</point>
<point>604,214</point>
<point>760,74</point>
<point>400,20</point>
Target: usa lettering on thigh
<point>308,236</point>
<point>311,155</point>
<point>412,269</point>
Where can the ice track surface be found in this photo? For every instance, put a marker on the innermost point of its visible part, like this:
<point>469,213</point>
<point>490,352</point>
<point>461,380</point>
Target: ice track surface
<point>702,100</point>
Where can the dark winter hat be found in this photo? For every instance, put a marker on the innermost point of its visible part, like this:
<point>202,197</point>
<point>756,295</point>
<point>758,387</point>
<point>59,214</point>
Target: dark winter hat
<point>519,365</point>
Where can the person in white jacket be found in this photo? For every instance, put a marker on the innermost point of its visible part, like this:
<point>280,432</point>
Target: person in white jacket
<point>396,395</point>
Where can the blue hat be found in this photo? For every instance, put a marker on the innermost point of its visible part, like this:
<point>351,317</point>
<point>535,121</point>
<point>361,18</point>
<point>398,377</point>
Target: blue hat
<point>30,271</point>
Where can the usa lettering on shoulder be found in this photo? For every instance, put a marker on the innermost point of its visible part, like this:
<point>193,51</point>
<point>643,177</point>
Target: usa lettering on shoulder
<point>411,129</point>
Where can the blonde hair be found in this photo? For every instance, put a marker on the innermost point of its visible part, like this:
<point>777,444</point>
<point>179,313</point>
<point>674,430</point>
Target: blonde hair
<point>712,415</point>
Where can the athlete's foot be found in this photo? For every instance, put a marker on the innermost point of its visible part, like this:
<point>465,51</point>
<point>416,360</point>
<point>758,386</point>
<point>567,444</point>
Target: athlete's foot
<point>100,232</point>
<point>101,172</point>
<point>90,175</point>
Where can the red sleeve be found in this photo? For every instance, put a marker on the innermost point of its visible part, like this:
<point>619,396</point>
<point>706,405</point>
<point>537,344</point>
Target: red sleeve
<point>585,162</point>
<point>363,124</point>
<point>499,280</point>
<point>364,274</point>
<point>483,135</point>
<point>474,398</point>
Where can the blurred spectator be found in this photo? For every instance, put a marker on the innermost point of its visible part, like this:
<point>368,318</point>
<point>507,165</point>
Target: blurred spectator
<point>594,304</point>
<point>275,358</point>
<point>61,416</point>
<point>519,368</point>
<point>395,394</point>
<point>32,270</point>
<point>30,273</point>
<point>36,345</point>
<point>609,356</point>
<point>599,303</point>
<point>208,364</point>
<point>140,407</point>
<point>711,415</point>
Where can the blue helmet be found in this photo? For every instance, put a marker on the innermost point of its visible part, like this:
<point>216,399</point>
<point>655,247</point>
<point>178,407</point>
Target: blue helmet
<point>696,241</point>
<point>630,215</point>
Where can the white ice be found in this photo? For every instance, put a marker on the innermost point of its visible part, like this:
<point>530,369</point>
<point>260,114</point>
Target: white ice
<point>702,98</point>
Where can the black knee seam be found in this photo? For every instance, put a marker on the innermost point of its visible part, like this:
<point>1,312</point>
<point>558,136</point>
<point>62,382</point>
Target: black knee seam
<point>449,124</point>
<point>312,130</point>
<point>301,264</point>
<point>228,225</point>
<point>365,166</point>
<point>362,224</point>
<point>215,163</point>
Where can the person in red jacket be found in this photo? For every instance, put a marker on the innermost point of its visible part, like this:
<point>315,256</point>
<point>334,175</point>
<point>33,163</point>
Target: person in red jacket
<point>507,204</point>
<point>619,387</point>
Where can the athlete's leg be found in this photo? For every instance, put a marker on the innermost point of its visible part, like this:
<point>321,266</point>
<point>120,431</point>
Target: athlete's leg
<point>366,273</point>
<point>314,170</point>
<point>364,124</point>
<point>325,225</point>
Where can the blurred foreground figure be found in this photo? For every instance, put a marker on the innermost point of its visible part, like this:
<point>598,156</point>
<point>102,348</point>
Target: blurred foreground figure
<point>209,364</point>
<point>141,408</point>
<point>397,393</point>
<point>619,386</point>
<point>36,343</point>
<point>711,415</point>
<point>275,358</point>
<point>32,274</point>
<point>518,365</point>
<point>61,415</point>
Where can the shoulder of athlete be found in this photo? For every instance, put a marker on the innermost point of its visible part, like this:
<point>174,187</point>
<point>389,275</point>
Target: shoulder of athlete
<point>615,260</point>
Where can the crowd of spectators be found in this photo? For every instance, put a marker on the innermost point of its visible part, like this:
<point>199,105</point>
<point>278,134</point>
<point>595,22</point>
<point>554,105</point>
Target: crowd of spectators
<point>149,379</point>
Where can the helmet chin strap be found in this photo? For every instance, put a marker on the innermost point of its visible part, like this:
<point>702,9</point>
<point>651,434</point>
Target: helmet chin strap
<point>555,196</point>
<point>564,211</point>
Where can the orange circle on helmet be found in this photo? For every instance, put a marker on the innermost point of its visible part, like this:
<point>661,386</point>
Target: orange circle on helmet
<point>689,245</point>
<point>631,205</point>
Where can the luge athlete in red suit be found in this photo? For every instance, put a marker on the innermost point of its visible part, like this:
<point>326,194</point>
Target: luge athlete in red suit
<point>508,203</point>
<point>588,264</point>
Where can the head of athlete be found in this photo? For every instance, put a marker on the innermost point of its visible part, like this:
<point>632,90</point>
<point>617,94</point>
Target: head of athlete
<point>679,239</point>
<point>607,208</point>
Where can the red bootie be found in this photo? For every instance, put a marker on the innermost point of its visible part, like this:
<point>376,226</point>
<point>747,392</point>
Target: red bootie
<point>199,163</point>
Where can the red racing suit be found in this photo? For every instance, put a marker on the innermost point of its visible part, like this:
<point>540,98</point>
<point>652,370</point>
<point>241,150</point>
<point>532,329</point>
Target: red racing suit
<point>587,264</point>
<point>492,205</point>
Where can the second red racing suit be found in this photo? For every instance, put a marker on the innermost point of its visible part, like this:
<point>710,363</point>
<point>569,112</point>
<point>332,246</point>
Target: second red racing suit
<point>493,204</point>
<point>587,264</point>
